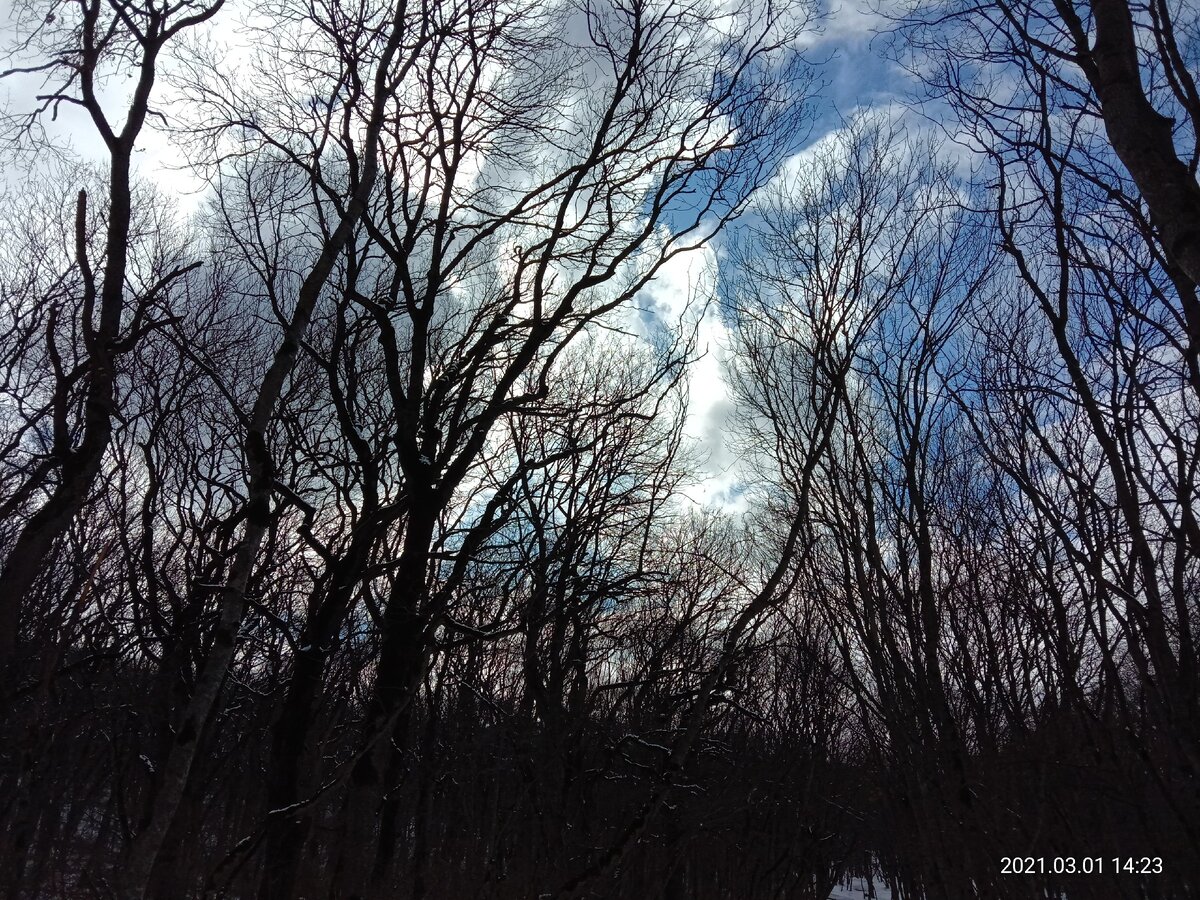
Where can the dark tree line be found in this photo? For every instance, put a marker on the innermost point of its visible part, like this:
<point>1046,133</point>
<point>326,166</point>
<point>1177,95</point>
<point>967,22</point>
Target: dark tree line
<point>346,542</point>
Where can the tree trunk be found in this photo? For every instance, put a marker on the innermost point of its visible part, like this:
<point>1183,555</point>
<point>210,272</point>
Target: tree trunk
<point>78,467</point>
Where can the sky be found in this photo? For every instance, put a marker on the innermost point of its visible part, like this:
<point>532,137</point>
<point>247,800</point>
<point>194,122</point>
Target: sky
<point>852,74</point>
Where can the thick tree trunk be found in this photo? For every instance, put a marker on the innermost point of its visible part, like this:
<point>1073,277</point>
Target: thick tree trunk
<point>373,800</point>
<point>1142,139</point>
<point>290,755</point>
<point>294,766</point>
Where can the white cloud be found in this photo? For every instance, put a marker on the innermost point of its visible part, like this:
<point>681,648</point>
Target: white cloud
<point>682,292</point>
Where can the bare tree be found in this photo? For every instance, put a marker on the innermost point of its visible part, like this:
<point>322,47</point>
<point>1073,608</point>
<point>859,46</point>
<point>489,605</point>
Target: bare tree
<point>472,276</point>
<point>75,47</point>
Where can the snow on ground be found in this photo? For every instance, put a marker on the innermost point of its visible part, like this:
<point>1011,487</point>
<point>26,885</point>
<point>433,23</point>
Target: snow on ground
<point>860,889</point>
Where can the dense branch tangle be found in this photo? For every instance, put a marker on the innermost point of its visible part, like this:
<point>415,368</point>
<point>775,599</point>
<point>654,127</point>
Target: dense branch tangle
<point>383,581</point>
<point>429,204</point>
